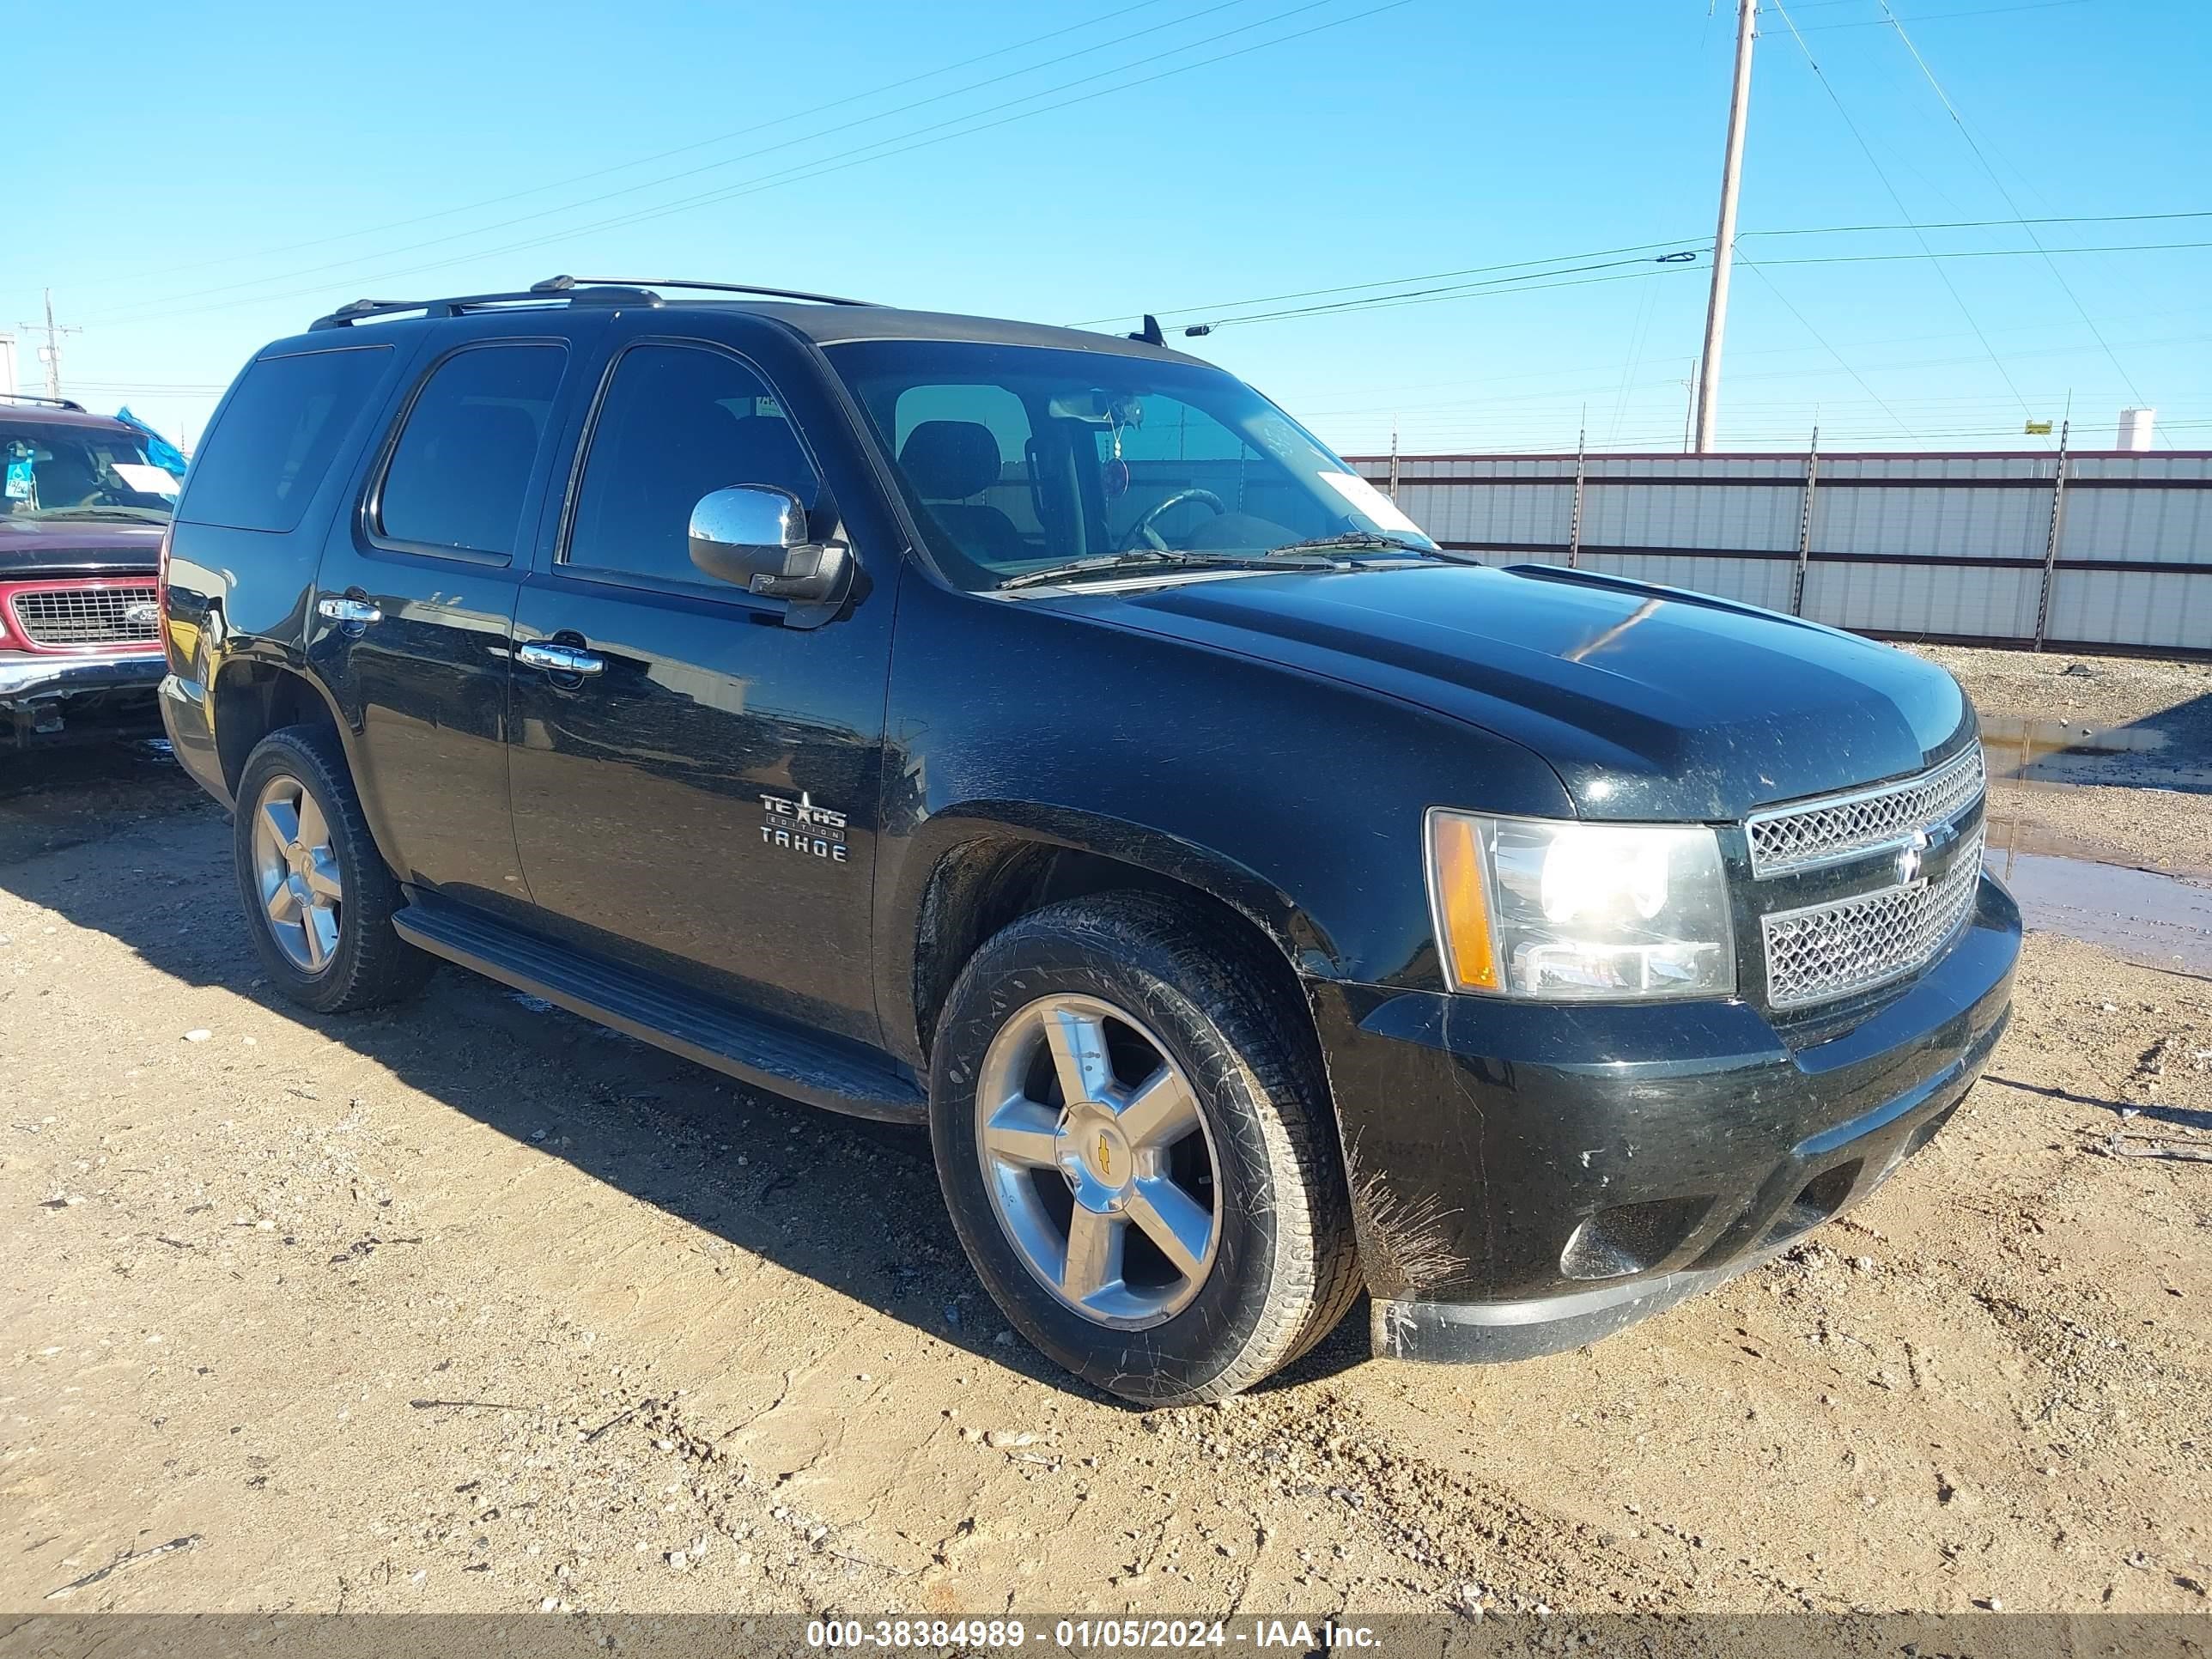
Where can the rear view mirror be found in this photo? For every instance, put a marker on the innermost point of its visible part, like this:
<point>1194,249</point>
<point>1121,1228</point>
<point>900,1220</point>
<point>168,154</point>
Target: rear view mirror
<point>1097,407</point>
<point>754,537</point>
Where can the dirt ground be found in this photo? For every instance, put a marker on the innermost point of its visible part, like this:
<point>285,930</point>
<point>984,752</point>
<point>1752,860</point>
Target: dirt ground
<point>476,1306</point>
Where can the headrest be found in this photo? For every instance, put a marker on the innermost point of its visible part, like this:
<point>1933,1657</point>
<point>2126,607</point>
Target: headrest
<point>950,460</point>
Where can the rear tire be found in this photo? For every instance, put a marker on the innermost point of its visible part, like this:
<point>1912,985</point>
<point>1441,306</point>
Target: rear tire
<point>318,896</point>
<point>1168,1256</point>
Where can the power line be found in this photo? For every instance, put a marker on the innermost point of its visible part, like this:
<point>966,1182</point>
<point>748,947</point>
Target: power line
<point>1940,254</point>
<point>753,154</point>
<point>888,148</point>
<point>1938,16</point>
<point>1966,132</point>
<point>1388,282</point>
<point>878,151</point>
<point>1985,224</point>
<point>1116,16</point>
<point>1522,284</point>
<point>1527,280</point>
<point>1752,266</point>
<point>1637,335</point>
<point>1394,391</point>
<point>1956,299</point>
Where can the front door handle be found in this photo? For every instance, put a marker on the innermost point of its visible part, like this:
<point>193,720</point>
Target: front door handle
<point>559,659</point>
<point>352,613</point>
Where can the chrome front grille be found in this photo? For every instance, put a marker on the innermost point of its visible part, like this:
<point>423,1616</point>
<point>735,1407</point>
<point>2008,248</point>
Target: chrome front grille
<point>88,616</point>
<point>1828,831</point>
<point>1825,951</point>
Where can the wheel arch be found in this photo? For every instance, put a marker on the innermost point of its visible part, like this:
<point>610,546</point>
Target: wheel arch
<point>254,695</point>
<point>973,872</point>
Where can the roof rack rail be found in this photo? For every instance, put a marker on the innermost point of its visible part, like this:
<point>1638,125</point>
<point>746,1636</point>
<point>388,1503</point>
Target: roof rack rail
<point>563,284</point>
<point>70,403</point>
<point>361,310</point>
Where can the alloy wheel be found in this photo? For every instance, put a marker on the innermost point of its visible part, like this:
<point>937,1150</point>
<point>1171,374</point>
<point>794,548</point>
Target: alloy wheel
<point>1098,1161</point>
<point>296,869</point>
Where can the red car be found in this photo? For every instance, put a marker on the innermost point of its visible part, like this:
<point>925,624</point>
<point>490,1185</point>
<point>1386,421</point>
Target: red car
<point>83,507</point>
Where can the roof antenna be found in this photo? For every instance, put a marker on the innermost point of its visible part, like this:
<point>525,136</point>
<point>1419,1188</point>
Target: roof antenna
<point>1149,333</point>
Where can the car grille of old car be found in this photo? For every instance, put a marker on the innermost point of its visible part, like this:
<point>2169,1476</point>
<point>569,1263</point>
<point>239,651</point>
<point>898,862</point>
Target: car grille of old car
<point>88,616</point>
<point>1858,941</point>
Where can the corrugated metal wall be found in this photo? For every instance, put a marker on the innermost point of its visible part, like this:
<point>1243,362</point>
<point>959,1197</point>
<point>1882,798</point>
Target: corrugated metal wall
<point>1955,546</point>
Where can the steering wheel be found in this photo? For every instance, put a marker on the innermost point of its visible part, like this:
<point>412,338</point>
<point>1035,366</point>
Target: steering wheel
<point>1143,531</point>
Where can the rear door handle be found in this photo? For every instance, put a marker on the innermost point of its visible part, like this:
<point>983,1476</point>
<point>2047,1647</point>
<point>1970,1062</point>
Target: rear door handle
<point>353,613</point>
<point>559,659</point>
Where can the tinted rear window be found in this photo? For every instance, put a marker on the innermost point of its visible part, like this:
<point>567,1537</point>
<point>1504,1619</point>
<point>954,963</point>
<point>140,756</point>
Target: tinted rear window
<point>460,472</point>
<point>263,462</point>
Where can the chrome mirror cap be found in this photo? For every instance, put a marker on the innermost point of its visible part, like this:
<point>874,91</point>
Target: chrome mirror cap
<point>754,537</point>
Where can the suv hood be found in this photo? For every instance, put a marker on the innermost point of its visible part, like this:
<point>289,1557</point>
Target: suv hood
<point>45,547</point>
<point>1650,702</point>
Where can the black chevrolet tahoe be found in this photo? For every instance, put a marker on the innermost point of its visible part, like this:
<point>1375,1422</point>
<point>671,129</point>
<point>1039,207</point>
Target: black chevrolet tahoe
<point>1041,736</point>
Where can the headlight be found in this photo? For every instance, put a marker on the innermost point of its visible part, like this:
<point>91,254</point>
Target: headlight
<point>1579,912</point>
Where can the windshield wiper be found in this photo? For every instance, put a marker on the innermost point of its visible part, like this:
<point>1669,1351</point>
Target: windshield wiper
<point>1141,558</point>
<point>127,514</point>
<point>1361,541</point>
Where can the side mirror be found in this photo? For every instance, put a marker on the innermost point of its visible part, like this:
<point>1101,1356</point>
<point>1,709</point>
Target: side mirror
<point>754,537</point>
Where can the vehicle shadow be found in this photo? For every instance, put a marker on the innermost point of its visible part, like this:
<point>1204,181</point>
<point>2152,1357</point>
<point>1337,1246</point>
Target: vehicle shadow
<point>2181,1116</point>
<point>852,1205</point>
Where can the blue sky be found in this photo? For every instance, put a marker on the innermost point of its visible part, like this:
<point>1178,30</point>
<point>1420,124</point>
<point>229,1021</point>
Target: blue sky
<point>221,176</point>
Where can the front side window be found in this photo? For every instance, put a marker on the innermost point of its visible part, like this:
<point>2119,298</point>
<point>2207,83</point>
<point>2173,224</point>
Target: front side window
<point>1019,461</point>
<point>276,435</point>
<point>677,423</point>
<point>460,474</point>
<point>58,470</point>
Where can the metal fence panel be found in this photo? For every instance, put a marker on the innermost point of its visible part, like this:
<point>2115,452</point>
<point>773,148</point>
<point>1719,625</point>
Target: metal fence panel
<point>1975,602</point>
<point>1749,581</point>
<point>1621,514</point>
<point>2141,523</point>
<point>1930,521</point>
<point>1513,515</point>
<point>1942,545</point>
<point>2167,609</point>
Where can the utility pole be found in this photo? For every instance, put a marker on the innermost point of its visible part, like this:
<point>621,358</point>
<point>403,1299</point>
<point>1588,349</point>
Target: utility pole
<point>1709,377</point>
<point>50,353</point>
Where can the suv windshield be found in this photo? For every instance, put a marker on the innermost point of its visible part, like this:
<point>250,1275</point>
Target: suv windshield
<point>1019,460</point>
<point>58,470</point>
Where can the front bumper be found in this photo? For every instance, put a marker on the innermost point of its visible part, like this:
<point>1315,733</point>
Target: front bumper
<point>43,693</point>
<point>1529,1178</point>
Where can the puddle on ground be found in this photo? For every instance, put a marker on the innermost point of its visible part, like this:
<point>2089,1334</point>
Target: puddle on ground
<point>2153,917</point>
<point>2051,750</point>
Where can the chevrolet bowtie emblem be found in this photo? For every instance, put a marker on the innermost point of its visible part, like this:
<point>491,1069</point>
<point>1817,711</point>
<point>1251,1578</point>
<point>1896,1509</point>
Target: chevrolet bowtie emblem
<point>1105,1156</point>
<point>1908,858</point>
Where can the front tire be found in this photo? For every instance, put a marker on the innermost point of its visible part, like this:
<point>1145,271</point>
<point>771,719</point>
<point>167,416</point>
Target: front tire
<point>1138,1152</point>
<point>318,896</point>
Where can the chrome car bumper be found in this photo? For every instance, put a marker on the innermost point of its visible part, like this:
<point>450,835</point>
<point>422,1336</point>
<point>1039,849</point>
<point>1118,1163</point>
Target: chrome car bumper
<point>55,674</point>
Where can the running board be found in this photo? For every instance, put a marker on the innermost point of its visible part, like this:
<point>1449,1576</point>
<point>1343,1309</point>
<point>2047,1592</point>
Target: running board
<point>668,1016</point>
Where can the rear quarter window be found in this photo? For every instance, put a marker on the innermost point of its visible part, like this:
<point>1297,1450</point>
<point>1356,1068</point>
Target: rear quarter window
<point>459,474</point>
<point>259,466</point>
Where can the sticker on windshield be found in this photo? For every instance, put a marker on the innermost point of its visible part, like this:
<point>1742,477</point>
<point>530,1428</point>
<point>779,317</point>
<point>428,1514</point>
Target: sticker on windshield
<point>146,480</point>
<point>1379,508</point>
